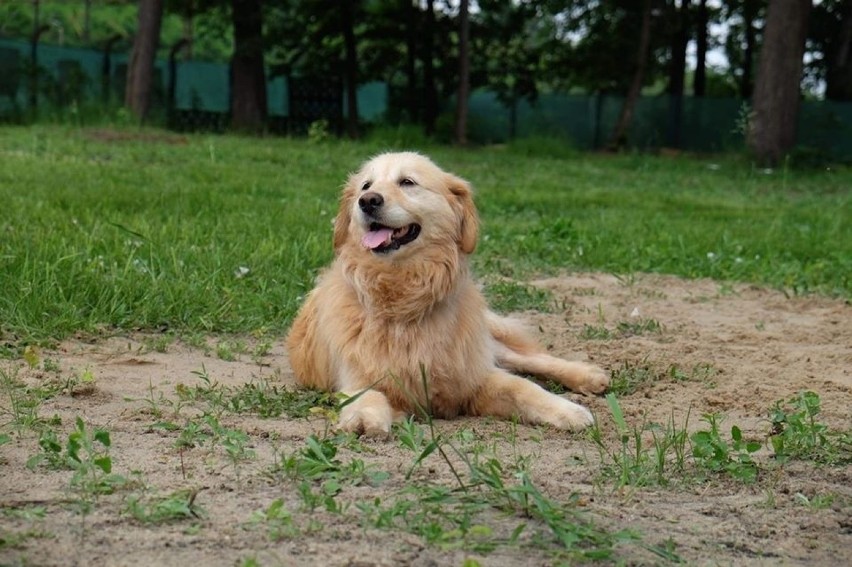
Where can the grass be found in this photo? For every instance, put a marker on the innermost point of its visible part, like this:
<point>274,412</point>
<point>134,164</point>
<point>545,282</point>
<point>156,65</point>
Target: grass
<point>223,234</point>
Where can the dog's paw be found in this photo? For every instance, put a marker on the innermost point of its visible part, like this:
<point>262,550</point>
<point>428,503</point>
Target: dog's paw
<point>570,416</point>
<point>368,421</point>
<point>594,379</point>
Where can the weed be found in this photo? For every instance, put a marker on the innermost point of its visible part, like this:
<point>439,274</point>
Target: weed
<point>797,435</point>
<point>815,502</point>
<point>257,398</point>
<point>278,521</point>
<point>176,507</point>
<point>630,377</point>
<point>225,351</point>
<point>596,333</point>
<point>623,329</point>
<point>638,327</point>
<point>636,462</point>
<point>714,454</point>
<point>158,343</point>
<point>260,350</point>
<point>507,296</point>
<point>234,441</point>
<point>23,402</point>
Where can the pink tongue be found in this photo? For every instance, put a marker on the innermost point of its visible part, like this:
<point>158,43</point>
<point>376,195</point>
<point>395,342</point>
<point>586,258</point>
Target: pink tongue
<point>376,238</point>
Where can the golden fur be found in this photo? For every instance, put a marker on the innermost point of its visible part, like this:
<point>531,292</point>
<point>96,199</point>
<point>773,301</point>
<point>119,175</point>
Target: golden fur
<point>378,322</point>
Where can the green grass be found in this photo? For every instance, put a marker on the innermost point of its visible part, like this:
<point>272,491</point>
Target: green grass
<point>225,234</point>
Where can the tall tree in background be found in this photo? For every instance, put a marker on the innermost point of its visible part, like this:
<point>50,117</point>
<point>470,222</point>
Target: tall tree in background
<point>248,77</point>
<point>430,92</point>
<point>618,138</point>
<point>699,84</point>
<point>140,68</point>
<point>679,17</point>
<point>464,73</point>
<point>351,66</point>
<point>833,33</point>
<point>775,105</point>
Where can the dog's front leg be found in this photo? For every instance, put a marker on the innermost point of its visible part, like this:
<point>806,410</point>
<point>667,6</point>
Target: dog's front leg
<point>370,413</point>
<point>505,395</point>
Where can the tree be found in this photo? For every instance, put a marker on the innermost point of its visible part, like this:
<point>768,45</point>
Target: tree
<point>511,40</point>
<point>679,38</point>
<point>140,68</point>
<point>775,104</point>
<point>430,93</point>
<point>248,76</point>
<point>830,40</point>
<point>351,65</point>
<point>625,117</point>
<point>699,85</point>
<point>464,74</point>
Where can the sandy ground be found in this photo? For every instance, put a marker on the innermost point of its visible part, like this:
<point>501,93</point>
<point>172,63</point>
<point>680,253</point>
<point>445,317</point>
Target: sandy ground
<point>737,349</point>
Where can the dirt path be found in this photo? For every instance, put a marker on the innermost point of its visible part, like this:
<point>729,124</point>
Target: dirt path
<point>708,348</point>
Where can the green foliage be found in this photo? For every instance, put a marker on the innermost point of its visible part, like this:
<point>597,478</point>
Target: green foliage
<point>714,454</point>
<point>637,461</point>
<point>256,398</point>
<point>278,521</point>
<point>176,507</point>
<point>87,454</point>
<point>508,296</point>
<point>797,435</point>
<point>108,250</point>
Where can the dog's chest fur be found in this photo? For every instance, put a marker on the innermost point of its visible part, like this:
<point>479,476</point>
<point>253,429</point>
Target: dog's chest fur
<point>417,324</point>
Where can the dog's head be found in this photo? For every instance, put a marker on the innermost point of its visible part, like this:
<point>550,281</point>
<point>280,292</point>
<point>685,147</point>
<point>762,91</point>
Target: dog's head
<point>399,202</point>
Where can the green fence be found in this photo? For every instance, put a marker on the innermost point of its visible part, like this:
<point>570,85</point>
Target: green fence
<point>201,99</point>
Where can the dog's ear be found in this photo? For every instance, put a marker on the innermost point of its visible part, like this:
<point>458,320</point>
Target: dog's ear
<point>344,216</point>
<point>468,218</point>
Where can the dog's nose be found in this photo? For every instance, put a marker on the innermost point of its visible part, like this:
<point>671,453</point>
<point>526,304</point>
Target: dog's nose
<point>370,202</point>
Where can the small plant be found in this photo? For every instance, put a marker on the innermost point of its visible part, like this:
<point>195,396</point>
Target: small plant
<point>627,379</point>
<point>622,330</point>
<point>319,131</point>
<point>225,351</point>
<point>714,454</point>
<point>234,441</point>
<point>158,343</point>
<point>638,327</point>
<point>596,333</point>
<point>261,349</point>
<point>797,435</point>
<point>176,507</point>
<point>507,296</point>
<point>277,520</point>
<point>20,406</point>
<point>637,462</point>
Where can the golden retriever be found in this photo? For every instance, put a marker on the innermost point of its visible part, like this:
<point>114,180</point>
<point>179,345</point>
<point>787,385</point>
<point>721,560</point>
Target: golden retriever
<point>397,321</point>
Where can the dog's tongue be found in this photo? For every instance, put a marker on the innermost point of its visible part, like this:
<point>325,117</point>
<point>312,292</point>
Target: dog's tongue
<point>376,238</point>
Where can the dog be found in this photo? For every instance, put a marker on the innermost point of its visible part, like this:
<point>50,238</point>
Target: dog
<point>398,325</point>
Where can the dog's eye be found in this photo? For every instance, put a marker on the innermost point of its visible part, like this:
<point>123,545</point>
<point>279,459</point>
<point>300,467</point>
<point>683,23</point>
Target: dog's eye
<point>407,182</point>
<point>366,185</point>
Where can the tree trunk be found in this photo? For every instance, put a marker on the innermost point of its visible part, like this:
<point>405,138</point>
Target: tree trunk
<point>772,128</point>
<point>749,15</point>
<point>411,60</point>
<point>430,95</point>
<point>699,85</point>
<point>140,68</point>
<point>464,74</point>
<point>248,76</point>
<point>351,70</point>
<point>677,71</point>
<point>838,80</point>
<point>619,133</point>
